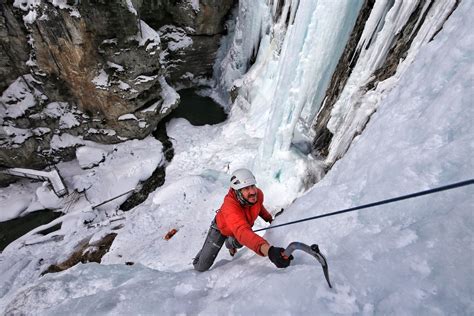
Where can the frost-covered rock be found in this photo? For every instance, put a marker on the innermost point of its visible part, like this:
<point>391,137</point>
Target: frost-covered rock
<point>89,157</point>
<point>47,198</point>
<point>190,32</point>
<point>93,64</point>
<point>92,55</point>
<point>99,58</point>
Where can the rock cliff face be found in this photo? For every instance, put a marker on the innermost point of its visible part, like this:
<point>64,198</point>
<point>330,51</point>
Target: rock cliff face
<point>97,60</point>
<point>339,78</point>
<point>425,20</point>
<point>190,35</point>
<point>92,70</point>
<point>13,47</point>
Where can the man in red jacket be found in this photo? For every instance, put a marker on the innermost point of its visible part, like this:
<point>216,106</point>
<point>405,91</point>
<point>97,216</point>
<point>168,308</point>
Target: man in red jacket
<point>233,224</point>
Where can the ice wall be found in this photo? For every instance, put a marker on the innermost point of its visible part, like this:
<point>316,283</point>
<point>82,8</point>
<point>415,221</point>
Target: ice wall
<point>248,28</point>
<point>280,58</point>
<point>387,20</point>
<point>278,61</point>
<point>310,51</point>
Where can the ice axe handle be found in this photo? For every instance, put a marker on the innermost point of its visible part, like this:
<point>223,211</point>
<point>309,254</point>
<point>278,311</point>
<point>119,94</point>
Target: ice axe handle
<point>299,246</point>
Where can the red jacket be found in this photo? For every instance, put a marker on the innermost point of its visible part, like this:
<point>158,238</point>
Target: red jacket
<point>236,220</point>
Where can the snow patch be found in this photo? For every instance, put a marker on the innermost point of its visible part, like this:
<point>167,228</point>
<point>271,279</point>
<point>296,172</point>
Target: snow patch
<point>130,7</point>
<point>128,116</point>
<point>147,36</point>
<point>103,131</point>
<point>168,94</point>
<point>65,140</point>
<point>124,86</point>
<point>194,4</point>
<point>142,79</point>
<point>19,97</point>
<point>115,66</point>
<point>101,81</point>
<point>89,157</point>
<point>176,37</point>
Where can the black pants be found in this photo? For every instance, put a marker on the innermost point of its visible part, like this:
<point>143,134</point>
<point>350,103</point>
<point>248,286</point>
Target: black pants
<point>212,245</point>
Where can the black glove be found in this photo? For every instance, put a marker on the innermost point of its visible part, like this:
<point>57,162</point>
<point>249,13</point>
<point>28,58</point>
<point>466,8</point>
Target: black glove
<point>275,254</point>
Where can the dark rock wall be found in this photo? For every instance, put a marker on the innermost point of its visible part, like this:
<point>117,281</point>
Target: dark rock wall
<point>400,46</point>
<point>193,62</point>
<point>338,81</point>
<point>69,50</point>
<point>14,48</point>
<point>207,20</point>
<point>203,27</point>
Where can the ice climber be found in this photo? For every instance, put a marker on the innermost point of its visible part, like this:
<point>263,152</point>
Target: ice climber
<point>233,224</point>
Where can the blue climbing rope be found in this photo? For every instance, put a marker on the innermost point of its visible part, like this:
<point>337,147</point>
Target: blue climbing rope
<point>386,201</point>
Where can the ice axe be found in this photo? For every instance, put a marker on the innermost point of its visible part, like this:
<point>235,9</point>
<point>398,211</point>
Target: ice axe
<point>313,250</point>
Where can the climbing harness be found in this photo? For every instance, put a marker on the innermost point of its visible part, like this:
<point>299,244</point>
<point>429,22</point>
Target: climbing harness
<point>312,250</point>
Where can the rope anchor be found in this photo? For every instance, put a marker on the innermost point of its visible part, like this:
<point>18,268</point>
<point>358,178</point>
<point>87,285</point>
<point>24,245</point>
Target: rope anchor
<point>312,250</point>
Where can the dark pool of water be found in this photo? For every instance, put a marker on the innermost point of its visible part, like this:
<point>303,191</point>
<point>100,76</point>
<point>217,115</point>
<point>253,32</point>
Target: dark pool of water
<point>17,227</point>
<point>198,110</point>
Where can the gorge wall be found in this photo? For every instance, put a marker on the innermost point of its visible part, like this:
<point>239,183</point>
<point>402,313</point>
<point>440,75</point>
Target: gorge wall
<point>73,71</point>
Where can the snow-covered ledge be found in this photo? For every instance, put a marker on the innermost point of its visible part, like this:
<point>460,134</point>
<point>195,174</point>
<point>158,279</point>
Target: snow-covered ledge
<point>53,177</point>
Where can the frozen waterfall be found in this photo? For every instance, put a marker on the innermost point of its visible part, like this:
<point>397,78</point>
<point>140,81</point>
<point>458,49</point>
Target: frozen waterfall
<point>279,60</point>
<point>405,62</point>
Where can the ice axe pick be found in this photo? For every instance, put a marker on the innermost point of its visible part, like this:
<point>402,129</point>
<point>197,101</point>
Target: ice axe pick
<point>312,250</point>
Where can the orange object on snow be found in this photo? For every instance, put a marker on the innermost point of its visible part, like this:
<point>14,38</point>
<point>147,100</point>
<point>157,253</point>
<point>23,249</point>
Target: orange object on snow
<point>170,234</point>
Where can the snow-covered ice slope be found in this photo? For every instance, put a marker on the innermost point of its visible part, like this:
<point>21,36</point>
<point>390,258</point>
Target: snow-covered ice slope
<point>413,257</point>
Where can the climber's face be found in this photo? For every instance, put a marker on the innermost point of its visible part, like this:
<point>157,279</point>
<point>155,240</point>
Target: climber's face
<point>250,193</point>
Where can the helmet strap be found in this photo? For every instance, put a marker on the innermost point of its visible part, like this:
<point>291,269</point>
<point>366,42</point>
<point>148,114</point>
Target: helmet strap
<point>243,201</point>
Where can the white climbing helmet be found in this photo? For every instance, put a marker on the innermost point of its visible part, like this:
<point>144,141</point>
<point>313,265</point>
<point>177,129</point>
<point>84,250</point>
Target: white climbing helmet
<point>242,178</point>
